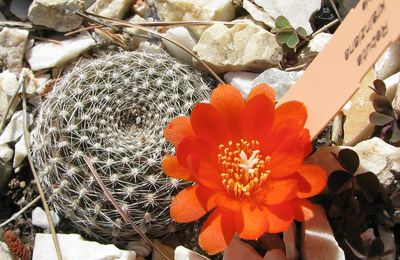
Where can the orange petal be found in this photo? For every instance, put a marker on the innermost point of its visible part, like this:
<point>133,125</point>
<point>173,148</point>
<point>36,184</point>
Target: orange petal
<point>278,134</point>
<point>254,220</point>
<point>208,175</point>
<point>277,191</point>
<point>280,217</point>
<point>178,129</point>
<point>174,169</point>
<point>217,232</point>
<point>311,180</point>
<point>227,201</point>
<point>287,158</point>
<point>262,89</point>
<point>257,118</point>
<point>208,124</point>
<point>191,150</point>
<point>303,210</point>
<point>305,139</point>
<point>291,110</point>
<point>228,101</point>
<point>191,204</point>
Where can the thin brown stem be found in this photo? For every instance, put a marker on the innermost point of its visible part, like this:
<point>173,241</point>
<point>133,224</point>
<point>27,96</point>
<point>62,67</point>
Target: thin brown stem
<point>126,218</point>
<point>152,32</point>
<point>35,175</point>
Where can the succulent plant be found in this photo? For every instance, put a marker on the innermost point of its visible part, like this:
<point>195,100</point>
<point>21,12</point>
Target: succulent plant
<point>113,110</point>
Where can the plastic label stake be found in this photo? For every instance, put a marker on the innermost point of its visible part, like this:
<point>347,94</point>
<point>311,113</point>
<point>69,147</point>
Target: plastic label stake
<point>335,74</point>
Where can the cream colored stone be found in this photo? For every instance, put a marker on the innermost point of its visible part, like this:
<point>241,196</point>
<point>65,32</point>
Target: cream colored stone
<point>180,35</point>
<point>318,241</point>
<point>5,253</point>
<point>56,14</point>
<point>12,48</point>
<point>6,153</point>
<point>243,47</point>
<point>8,82</point>
<point>133,39</point>
<point>258,14</point>
<point>195,10</point>
<point>112,8</point>
<point>182,253</point>
<point>15,129</point>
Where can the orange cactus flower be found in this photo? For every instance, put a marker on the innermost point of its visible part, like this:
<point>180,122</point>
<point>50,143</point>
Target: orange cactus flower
<point>246,160</point>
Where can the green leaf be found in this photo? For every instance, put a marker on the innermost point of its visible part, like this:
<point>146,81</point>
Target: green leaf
<point>282,22</point>
<point>383,105</point>
<point>380,119</point>
<point>337,180</point>
<point>293,40</point>
<point>380,87</point>
<point>301,31</point>
<point>376,248</point>
<point>282,37</point>
<point>369,185</point>
<point>349,160</point>
<point>395,134</point>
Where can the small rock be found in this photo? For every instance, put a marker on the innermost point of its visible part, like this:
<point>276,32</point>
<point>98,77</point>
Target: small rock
<point>180,35</point>
<point>389,62</point>
<point>182,253</point>
<point>241,80</point>
<point>6,153</point>
<point>20,151</point>
<point>47,54</point>
<point>240,250</point>
<point>243,47</point>
<point>112,8</point>
<point>337,128</point>
<point>5,253</point>
<point>140,247</point>
<point>39,218</point>
<point>20,8</point>
<point>8,82</point>
<point>195,10</point>
<point>74,247</point>
<point>318,241</point>
<point>168,251</point>
<point>150,47</point>
<point>133,40</point>
<point>297,12</point>
<point>315,46</point>
<point>289,238</point>
<point>12,48</point>
<point>3,103</point>
<point>15,129</point>
<point>379,157</point>
<point>275,254</point>
<point>56,14</point>
<point>396,101</point>
<point>258,14</point>
<point>142,8</point>
<point>6,171</point>
<point>280,80</point>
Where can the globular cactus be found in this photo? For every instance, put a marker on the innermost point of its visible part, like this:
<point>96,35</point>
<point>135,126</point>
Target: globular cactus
<point>113,111</point>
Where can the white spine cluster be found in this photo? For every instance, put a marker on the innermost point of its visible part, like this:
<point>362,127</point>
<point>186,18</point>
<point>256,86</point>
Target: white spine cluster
<point>113,110</point>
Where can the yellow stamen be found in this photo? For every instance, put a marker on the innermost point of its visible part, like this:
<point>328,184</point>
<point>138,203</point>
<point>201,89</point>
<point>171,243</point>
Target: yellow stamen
<point>242,175</point>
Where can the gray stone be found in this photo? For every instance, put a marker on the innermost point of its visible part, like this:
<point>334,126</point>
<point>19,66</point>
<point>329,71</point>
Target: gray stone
<point>112,8</point>
<point>56,14</point>
<point>14,129</point>
<point>6,153</point>
<point>258,14</point>
<point>243,47</point>
<point>280,80</point>
<point>389,63</point>
<point>180,35</point>
<point>8,82</point>
<point>12,48</point>
<point>39,218</point>
<point>20,8</point>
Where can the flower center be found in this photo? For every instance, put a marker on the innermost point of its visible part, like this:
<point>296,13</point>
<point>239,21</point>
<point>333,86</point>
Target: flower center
<point>243,167</point>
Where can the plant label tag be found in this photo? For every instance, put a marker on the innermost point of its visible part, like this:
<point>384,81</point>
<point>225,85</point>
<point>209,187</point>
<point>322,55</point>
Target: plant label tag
<point>335,74</point>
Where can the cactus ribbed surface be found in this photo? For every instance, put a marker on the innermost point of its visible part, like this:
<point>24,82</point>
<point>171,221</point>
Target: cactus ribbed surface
<point>113,110</point>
